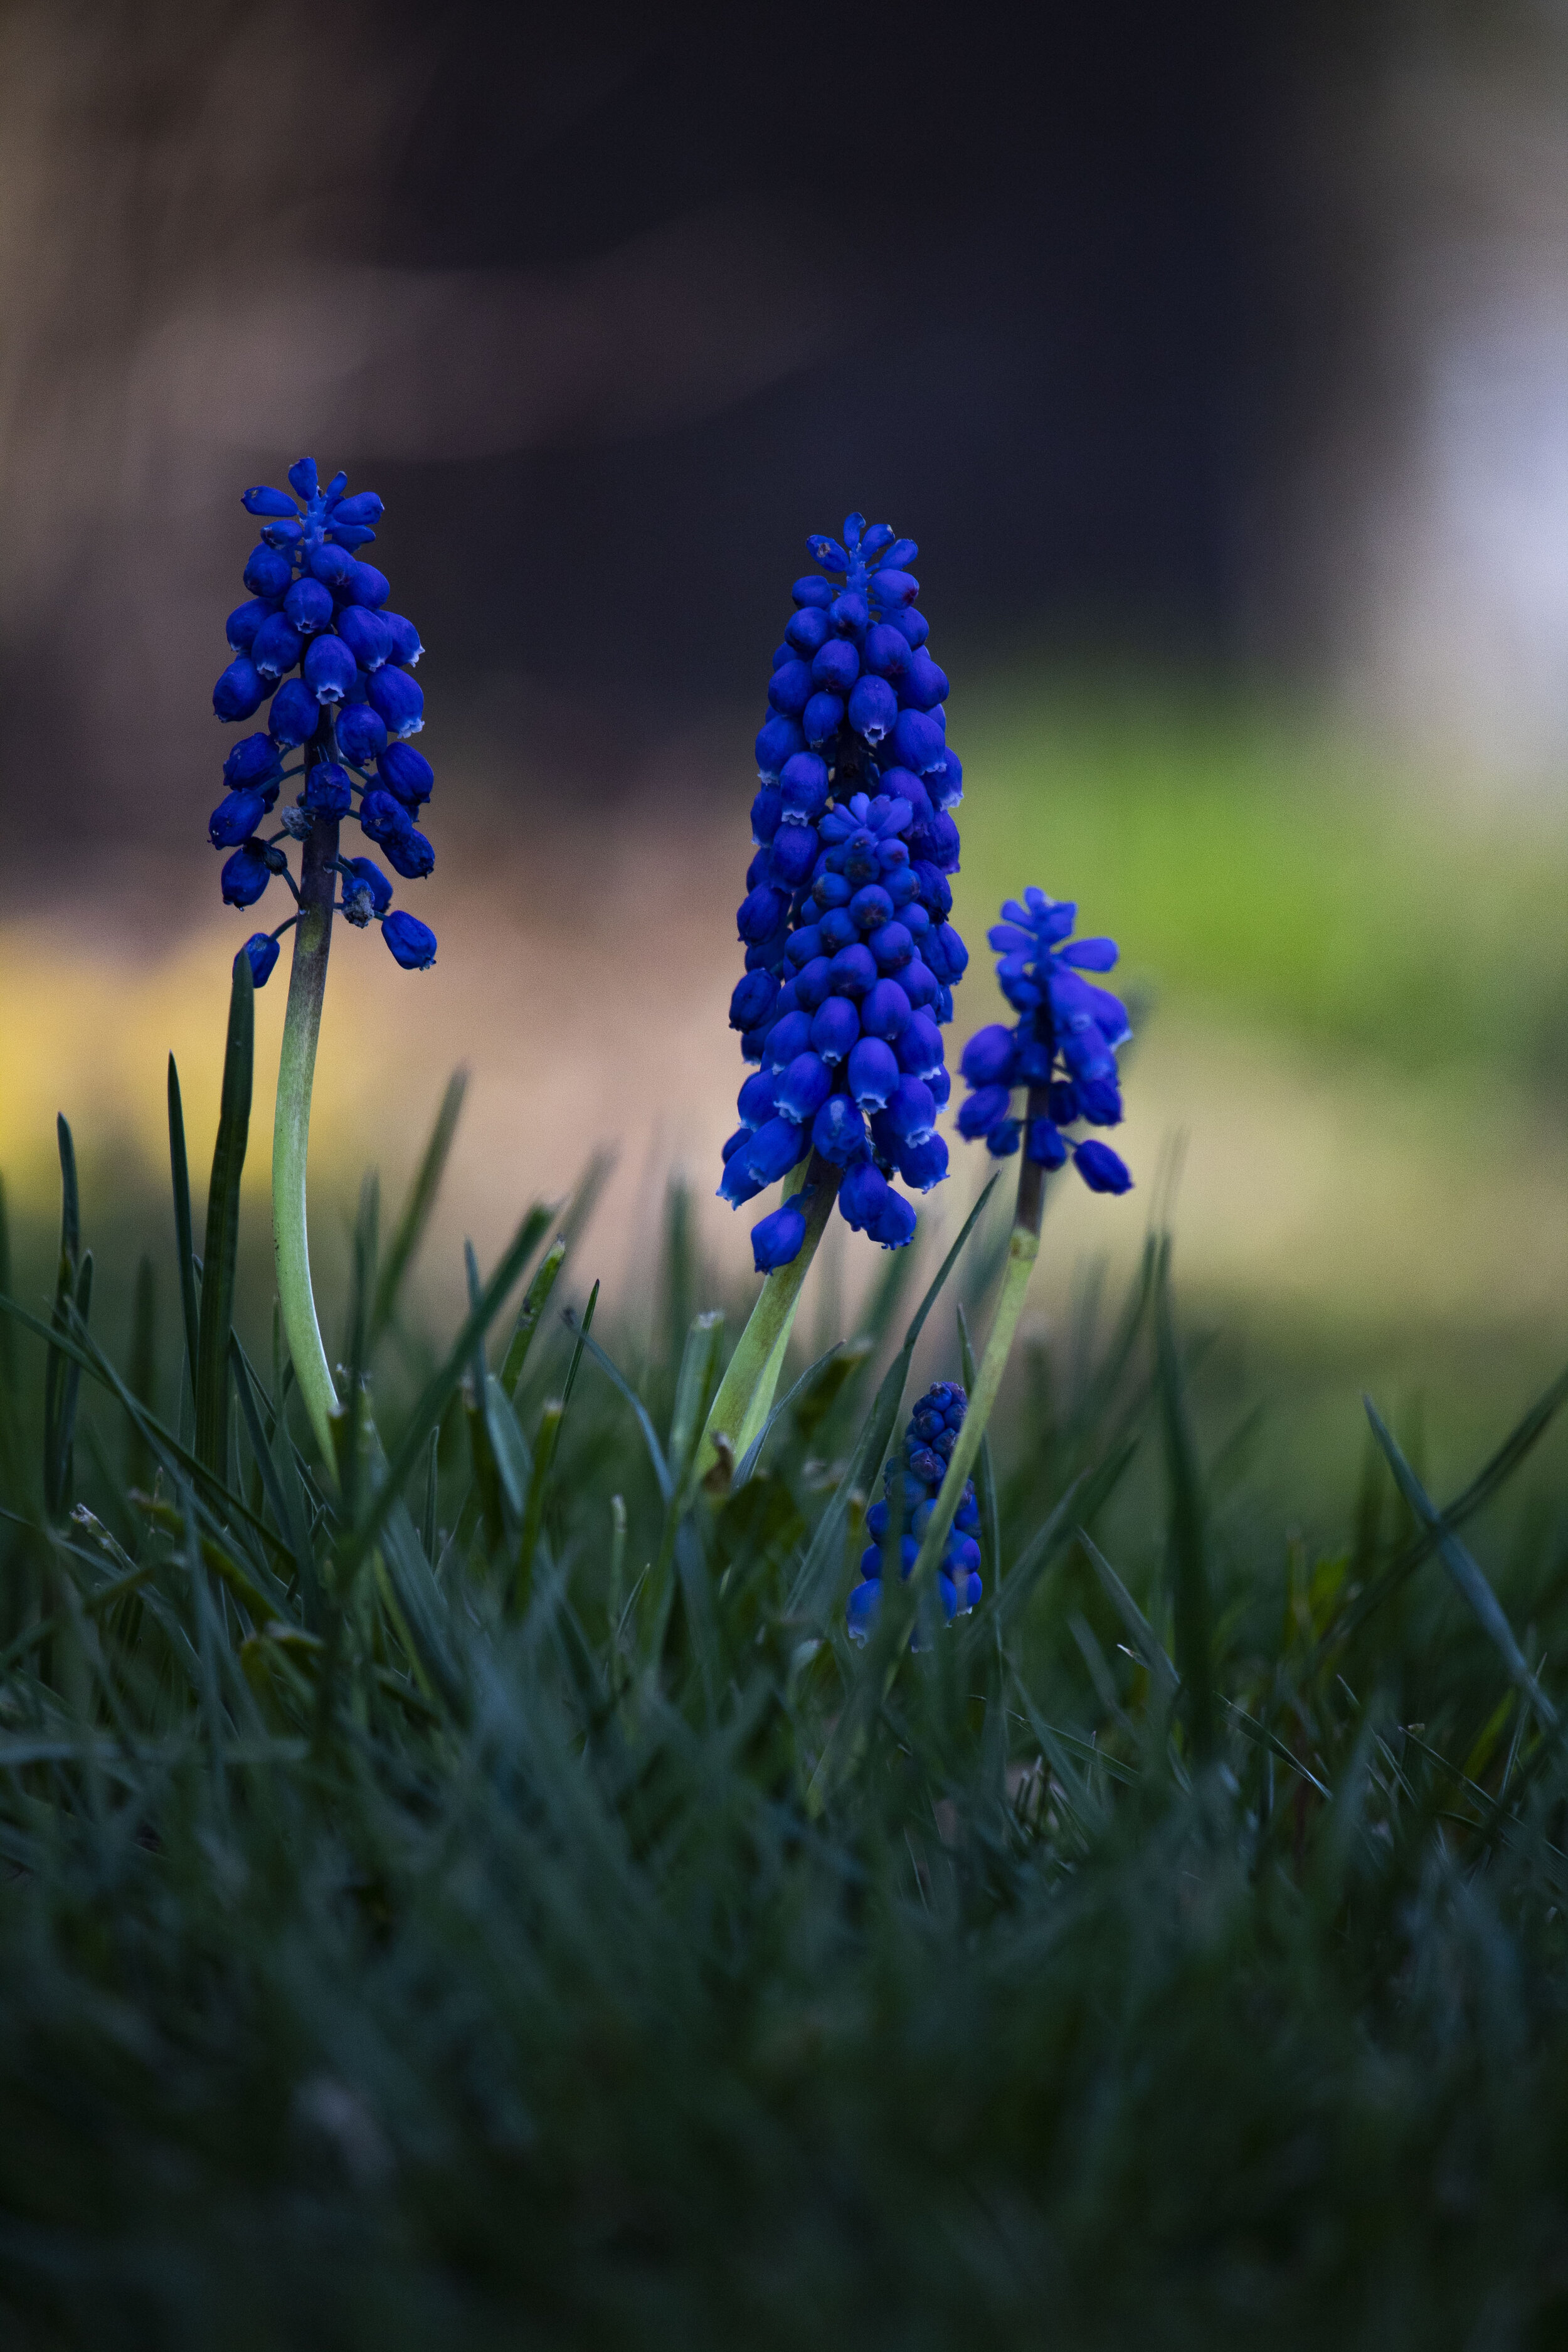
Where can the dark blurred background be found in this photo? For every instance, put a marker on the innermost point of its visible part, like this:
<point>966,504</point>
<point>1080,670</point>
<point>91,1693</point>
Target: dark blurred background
<point>1216,357</point>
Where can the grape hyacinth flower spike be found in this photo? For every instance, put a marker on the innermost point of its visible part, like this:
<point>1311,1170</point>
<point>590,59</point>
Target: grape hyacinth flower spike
<point>316,641</point>
<point>912,1482</point>
<point>1062,1050</point>
<point>850,960</point>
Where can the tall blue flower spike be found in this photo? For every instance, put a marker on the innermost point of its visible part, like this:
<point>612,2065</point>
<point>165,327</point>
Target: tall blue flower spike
<point>1063,1046</point>
<point>851,961</point>
<point>912,1480</point>
<point>315,639</point>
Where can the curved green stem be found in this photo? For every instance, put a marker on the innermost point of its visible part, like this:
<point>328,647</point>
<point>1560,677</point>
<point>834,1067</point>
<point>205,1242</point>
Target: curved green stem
<point>746,1391</point>
<point>291,1131</point>
<point>1023,1249</point>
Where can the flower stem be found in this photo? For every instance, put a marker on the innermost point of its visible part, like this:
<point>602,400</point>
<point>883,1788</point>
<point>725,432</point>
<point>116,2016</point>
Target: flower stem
<point>1023,1249</point>
<point>291,1129</point>
<point>746,1391</point>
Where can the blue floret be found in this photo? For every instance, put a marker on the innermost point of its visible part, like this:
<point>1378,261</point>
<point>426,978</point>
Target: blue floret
<point>911,1482</point>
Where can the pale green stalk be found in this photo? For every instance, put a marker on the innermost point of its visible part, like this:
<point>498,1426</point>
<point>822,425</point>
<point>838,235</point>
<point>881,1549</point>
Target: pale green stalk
<point>291,1131</point>
<point>1023,1249</point>
<point>746,1391</point>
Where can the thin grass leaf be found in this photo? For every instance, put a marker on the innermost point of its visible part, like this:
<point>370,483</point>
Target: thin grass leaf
<point>694,1387</point>
<point>805,1383</point>
<point>185,1231</point>
<point>1462,1567</point>
<point>643,1419</point>
<point>58,1395</point>
<point>1192,1606</point>
<point>984,1475</point>
<point>417,1207</point>
<point>535,1300</point>
<point>222,1251</point>
<point>1141,1634</point>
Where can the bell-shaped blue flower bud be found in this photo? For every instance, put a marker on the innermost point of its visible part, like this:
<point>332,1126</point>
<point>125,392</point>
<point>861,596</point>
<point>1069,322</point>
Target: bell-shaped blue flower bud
<point>778,742</point>
<point>860,1610</point>
<point>835,1027</point>
<point>403,639</point>
<point>813,984</point>
<point>365,635</point>
<point>755,1100</point>
<point>922,684</point>
<point>984,1111</point>
<point>295,714</point>
<point>803,788</point>
<point>235,819</point>
<point>332,566</point>
<point>838,1131</point>
<point>303,478</point>
<point>264,501</point>
<point>267,572</point>
<point>761,912</point>
<point>382,818</point>
<point>740,1181</point>
<point>253,764</point>
<point>923,1164</point>
<point>894,1222</point>
<point>366,585</point>
<point>848,614</point>
<point>413,944</point>
<point>885,1009</point>
<point>775,1148</point>
<point>245,620</point>
<point>369,876</point>
<point>918,1047</point>
<point>366,506</point>
<point>822,719</point>
<point>240,692</point>
<point>919,983</point>
<point>262,950</point>
<point>863,1195</point>
<point>1046,1144</point>
<point>873,710</point>
<point>835,665</point>
<point>911,1111</point>
<point>918,742</point>
<point>410,852</point>
<point>883,655</point>
<point>776,1240</point>
<point>329,668</point>
<point>870,907</point>
<point>793,855</point>
<point>1100,1100</point>
<point>362,733</point>
<point>309,606</point>
<point>807,630</point>
<point>873,1073</point>
<point>752,1000</point>
<point>987,1059</point>
<point>276,646</point>
<point>892,945</point>
<point>405,772</point>
<point>790,1035</point>
<point>853,971</point>
<point>288,533</point>
<point>1101,1169</point>
<point>789,689</point>
<point>1002,1141</point>
<point>803,1088</point>
<point>328,791</point>
<point>399,699</point>
<point>245,876</point>
<point>765,812</point>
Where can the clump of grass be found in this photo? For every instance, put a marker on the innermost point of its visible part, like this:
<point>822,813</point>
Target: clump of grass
<point>471,1892</point>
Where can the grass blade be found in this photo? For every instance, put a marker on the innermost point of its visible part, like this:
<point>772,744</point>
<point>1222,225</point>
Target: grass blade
<point>222,1249</point>
<point>1192,1607</point>
<point>184,1232</point>
<point>61,1385</point>
<point>416,1209</point>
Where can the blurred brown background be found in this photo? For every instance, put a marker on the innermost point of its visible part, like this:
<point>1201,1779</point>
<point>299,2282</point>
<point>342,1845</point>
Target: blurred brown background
<point>1217,359</point>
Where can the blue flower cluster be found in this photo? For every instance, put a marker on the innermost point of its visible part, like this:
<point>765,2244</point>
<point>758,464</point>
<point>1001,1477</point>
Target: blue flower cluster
<point>1063,1046</point>
<point>851,958</point>
<point>315,639</point>
<point>917,1477</point>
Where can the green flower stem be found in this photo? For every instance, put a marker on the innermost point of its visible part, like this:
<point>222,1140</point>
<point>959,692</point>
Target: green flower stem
<point>1023,1249</point>
<point>291,1131</point>
<point>746,1391</point>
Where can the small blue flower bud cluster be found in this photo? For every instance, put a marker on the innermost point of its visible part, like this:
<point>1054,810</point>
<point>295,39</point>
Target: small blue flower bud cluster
<point>914,1480</point>
<point>316,640</point>
<point>850,959</point>
<point>1063,1046</point>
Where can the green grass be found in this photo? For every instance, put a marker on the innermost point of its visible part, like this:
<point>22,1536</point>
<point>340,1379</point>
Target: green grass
<point>485,1902</point>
